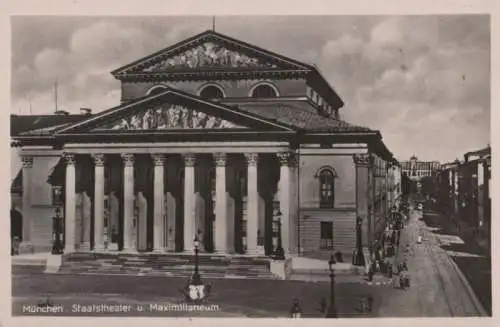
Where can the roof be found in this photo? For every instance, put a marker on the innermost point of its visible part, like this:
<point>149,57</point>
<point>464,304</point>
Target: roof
<point>21,124</point>
<point>482,152</point>
<point>290,116</point>
<point>301,115</point>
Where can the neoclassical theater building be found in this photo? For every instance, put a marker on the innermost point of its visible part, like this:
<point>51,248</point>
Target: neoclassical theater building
<point>213,138</point>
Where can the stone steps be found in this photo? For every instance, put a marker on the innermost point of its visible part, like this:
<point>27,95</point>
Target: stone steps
<point>165,265</point>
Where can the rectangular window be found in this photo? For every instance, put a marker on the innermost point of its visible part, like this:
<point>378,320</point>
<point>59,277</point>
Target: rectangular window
<point>326,232</point>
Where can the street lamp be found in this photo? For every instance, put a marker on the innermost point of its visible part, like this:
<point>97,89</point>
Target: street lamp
<point>196,289</point>
<point>279,253</point>
<point>57,246</point>
<point>332,310</point>
<point>358,259</point>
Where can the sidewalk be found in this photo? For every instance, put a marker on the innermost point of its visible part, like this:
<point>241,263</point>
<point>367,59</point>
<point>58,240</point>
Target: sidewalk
<point>466,255</point>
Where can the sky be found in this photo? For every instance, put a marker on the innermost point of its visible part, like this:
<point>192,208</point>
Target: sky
<point>423,81</point>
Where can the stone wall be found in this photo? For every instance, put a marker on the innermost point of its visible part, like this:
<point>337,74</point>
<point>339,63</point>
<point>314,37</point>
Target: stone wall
<point>231,88</point>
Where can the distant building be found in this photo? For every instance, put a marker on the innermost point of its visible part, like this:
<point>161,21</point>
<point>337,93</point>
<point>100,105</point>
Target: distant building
<point>416,169</point>
<point>464,188</point>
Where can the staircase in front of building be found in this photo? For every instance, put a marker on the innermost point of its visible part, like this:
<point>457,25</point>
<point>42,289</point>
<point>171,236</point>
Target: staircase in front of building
<point>166,265</point>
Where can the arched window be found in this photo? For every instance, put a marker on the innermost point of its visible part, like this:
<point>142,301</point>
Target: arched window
<point>264,91</point>
<point>212,92</point>
<point>156,89</point>
<point>326,188</point>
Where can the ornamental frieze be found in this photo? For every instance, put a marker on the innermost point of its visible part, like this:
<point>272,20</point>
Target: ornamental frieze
<point>209,55</point>
<point>169,117</point>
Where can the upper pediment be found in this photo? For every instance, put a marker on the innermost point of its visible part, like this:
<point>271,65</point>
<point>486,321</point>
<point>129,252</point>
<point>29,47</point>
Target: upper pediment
<point>210,51</point>
<point>209,55</point>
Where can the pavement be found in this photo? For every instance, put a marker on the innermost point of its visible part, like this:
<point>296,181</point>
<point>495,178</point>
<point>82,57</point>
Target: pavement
<point>438,288</point>
<point>247,298</point>
<point>469,257</point>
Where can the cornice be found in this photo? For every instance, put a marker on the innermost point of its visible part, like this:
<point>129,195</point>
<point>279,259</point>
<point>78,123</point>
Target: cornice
<point>211,74</point>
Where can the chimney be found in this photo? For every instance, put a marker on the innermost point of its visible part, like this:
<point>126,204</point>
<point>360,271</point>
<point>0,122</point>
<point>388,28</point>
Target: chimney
<point>85,111</point>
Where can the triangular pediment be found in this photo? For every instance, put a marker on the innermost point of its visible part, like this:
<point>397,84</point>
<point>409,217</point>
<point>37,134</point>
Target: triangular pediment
<point>166,116</point>
<point>211,51</point>
<point>172,111</point>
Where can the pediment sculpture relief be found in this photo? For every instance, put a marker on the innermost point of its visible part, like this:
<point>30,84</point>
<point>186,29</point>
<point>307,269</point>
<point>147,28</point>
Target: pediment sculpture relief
<point>209,54</point>
<point>169,117</point>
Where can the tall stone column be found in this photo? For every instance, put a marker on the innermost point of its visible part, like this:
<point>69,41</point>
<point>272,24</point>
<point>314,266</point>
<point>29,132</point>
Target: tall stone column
<point>26,246</point>
<point>363,163</point>
<point>86,216</point>
<point>128,201</point>
<point>189,202</point>
<point>221,217</point>
<point>70,207</point>
<point>99,202</point>
<point>285,192</point>
<point>159,203</point>
<point>252,202</point>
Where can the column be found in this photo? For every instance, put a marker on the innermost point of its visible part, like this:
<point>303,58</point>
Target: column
<point>252,202</point>
<point>98,202</point>
<point>189,202</point>
<point>128,201</point>
<point>363,162</point>
<point>26,246</point>
<point>70,208</point>
<point>221,217</point>
<point>86,217</point>
<point>159,203</point>
<point>285,200</point>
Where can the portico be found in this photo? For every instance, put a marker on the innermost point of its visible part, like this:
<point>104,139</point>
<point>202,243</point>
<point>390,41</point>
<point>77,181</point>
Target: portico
<point>168,194</point>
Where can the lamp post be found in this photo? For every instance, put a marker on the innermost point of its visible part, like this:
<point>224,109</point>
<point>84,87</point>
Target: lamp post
<point>279,253</point>
<point>196,289</point>
<point>332,310</point>
<point>358,258</point>
<point>57,246</point>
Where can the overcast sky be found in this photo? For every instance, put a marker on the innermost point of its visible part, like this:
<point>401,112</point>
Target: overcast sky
<point>424,81</point>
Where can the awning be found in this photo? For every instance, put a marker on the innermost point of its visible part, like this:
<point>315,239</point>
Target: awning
<point>57,174</point>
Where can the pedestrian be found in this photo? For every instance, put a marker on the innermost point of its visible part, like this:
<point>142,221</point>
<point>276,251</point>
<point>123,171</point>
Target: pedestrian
<point>295,311</point>
<point>402,281</point>
<point>322,305</point>
<point>370,273</point>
